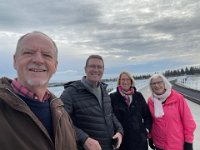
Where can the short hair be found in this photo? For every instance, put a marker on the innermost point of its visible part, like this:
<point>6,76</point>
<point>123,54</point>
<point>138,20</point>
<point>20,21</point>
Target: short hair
<point>94,57</point>
<point>22,37</point>
<point>129,75</point>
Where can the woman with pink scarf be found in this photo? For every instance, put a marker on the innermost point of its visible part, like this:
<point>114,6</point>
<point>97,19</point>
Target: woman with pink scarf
<point>173,125</point>
<point>130,108</point>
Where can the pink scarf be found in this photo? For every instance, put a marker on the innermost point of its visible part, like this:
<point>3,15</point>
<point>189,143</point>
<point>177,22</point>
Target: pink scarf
<point>158,100</point>
<point>126,94</point>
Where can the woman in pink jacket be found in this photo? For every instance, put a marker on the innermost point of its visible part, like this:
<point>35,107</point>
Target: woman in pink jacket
<point>173,125</point>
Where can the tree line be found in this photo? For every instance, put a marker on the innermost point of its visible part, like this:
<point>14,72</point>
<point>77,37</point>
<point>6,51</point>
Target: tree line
<point>180,72</point>
<point>168,73</point>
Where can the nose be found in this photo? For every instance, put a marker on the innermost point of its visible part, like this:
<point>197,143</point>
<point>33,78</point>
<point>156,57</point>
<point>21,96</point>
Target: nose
<point>38,58</point>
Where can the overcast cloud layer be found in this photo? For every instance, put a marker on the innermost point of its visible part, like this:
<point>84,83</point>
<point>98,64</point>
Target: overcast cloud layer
<point>140,36</point>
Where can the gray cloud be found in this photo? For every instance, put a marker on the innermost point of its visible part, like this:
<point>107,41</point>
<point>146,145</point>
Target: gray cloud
<point>129,34</point>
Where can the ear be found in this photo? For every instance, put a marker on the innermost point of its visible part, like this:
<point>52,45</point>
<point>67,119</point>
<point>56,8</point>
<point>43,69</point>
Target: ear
<point>14,62</point>
<point>85,68</point>
<point>56,65</point>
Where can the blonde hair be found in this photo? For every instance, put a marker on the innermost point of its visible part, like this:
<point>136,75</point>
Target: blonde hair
<point>129,75</point>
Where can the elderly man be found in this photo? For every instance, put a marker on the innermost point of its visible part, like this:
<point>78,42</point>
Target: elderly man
<point>30,116</point>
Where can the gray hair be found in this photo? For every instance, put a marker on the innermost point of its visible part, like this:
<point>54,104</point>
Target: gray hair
<point>164,79</point>
<point>38,32</point>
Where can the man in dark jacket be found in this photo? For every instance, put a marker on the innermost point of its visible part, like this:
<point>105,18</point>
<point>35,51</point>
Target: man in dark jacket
<point>32,118</point>
<point>90,108</point>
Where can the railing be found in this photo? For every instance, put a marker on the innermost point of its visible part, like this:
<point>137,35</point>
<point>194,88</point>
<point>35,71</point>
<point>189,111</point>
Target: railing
<point>189,93</point>
<point>190,82</point>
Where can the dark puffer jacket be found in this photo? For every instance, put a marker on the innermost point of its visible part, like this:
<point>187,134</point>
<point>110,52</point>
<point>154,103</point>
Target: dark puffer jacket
<point>89,118</point>
<point>134,119</point>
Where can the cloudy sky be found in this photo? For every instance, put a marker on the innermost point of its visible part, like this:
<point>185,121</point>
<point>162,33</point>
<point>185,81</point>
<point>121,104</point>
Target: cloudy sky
<point>140,36</point>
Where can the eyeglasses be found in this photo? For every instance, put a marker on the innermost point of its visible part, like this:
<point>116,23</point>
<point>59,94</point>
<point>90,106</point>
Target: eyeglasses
<point>95,66</point>
<point>125,80</point>
<point>158,82</point>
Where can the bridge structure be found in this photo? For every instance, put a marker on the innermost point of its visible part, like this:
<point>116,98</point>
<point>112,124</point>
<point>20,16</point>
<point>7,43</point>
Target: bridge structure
<point>189,93</point>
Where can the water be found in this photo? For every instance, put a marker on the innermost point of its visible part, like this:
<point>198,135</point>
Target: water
<point>111,86</point>
<point>188,81</point>
<point>57,90</point>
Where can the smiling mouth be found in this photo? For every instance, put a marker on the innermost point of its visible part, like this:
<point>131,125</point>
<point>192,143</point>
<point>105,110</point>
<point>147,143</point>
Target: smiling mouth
<point>37,70</point>
<point>95,74</point>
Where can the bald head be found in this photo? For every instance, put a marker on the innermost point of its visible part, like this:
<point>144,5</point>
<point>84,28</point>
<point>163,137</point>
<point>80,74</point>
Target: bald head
<point>40,36</point>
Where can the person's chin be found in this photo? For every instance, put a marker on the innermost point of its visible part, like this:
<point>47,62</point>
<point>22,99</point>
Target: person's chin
<point>38,83</point>
<point>95,78</point>
<point>159,92</point>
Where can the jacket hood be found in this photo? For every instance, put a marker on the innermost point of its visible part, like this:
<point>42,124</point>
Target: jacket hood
<point>5,82</point>
<point>71,83</point>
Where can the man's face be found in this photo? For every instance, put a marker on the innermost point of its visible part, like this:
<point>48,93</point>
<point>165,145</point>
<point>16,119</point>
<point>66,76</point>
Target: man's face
<point>94,70</point>
<point>35,61</point>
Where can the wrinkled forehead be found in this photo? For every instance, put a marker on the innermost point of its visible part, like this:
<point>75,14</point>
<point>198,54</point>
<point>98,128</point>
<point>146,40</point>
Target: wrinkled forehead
<point>35,38</point>
<point>36,41</point>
